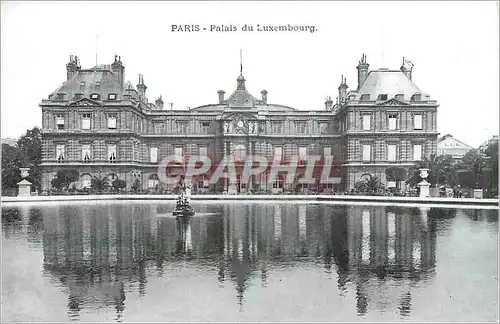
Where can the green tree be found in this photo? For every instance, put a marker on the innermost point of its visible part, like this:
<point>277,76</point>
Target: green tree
<point>395,174</point>
<point>442,171</point>
<point>30,147</point>
<point>491,159</point>
<point>11,162</point>
<point>472,167</point>
<point>136,186</point>
<point>64,178</point>
<point>119,184</point>
<point>99,184</point>
<point>372,185</point>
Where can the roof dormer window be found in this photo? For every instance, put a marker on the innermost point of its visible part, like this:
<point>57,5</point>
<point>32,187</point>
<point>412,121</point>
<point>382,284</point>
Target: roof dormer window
<point>95,96</point>
<point>400,97</point>
<point>382,97</point>
<point>416,97</point>
<point>112,96</point>
<point>365,97</point>
<point>78,96</point>
<point>60,96</point>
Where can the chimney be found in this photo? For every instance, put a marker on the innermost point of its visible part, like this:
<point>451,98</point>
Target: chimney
<point>159,103</point>
<point>118,69</point>
<point>264,96</point>
<point>141,88</point>
<point>407,68</point>
<point>72,66</point>
<point>328,103</point>
<point>221,96</point>
<point>362,70</point>
<point>171,105</point>
<point>343,90</point>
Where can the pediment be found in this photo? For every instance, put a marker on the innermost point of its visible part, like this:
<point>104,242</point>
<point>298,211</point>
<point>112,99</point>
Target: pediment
<point>451,143</point>
<point>393,102</point>
<point>240,123</point>
<point>240,115</point>
<point>85,102</point>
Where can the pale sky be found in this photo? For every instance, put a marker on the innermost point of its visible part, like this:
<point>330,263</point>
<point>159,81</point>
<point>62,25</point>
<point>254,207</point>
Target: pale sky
<point>454,46</point>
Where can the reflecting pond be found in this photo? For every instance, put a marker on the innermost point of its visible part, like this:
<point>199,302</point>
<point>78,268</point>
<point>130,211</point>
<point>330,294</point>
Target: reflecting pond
<point>133,262</point>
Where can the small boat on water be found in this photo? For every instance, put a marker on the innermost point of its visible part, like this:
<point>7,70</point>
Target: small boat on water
<point>183,207</point>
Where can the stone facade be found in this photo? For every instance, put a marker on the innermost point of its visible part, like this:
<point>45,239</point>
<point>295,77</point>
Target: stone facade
<point>103,126</point>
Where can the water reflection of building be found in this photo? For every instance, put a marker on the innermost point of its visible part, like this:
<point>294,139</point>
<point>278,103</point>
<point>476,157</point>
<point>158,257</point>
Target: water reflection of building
<point>98,253</point>
<point>96,250</point>
<point>394,244</point>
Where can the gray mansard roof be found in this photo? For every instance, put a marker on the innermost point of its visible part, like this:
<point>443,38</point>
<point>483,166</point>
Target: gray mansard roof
<point>389,82</point>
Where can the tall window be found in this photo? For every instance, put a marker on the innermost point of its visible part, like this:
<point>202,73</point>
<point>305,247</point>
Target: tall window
<point>158,127</point>
<point>112,153</point>
<point>86,180</point>
<point>393,119</point>
<point>278,153</point>
<point>327,151</point>
<point>417,121</point>
<point>60,121</point>
<point>302,153</point>
<point>204,127</point>
<point>367,152</point>
<point>178,151</point>
<point>60,153</point>
<point>277,127</point>
<point>391,152</point>
<point>112,121</point>
<point>182,128</point>
<point>300,127</point>
<point>367,122</point>
<point>323,127</point>
<point>86,118</point>
<point>417,152</point>
<point>240,152</point>
<point>153,152</point>
<point>203,151</point>
<point>86,152</point>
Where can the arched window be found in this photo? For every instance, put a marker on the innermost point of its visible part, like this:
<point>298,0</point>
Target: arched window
<point>240,153</point>
<point>416,97</point>
<point>365,97</point>
<point>86,180</point>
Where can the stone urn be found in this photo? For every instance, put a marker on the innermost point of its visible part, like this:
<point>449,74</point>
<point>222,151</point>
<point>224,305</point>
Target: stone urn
<point>24,172</point>
<point>424,173</point>
<point>424,185</point>
<point>24,185</point>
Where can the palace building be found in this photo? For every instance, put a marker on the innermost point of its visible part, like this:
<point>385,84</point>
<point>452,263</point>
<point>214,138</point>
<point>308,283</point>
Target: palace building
<point>103,126</point>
